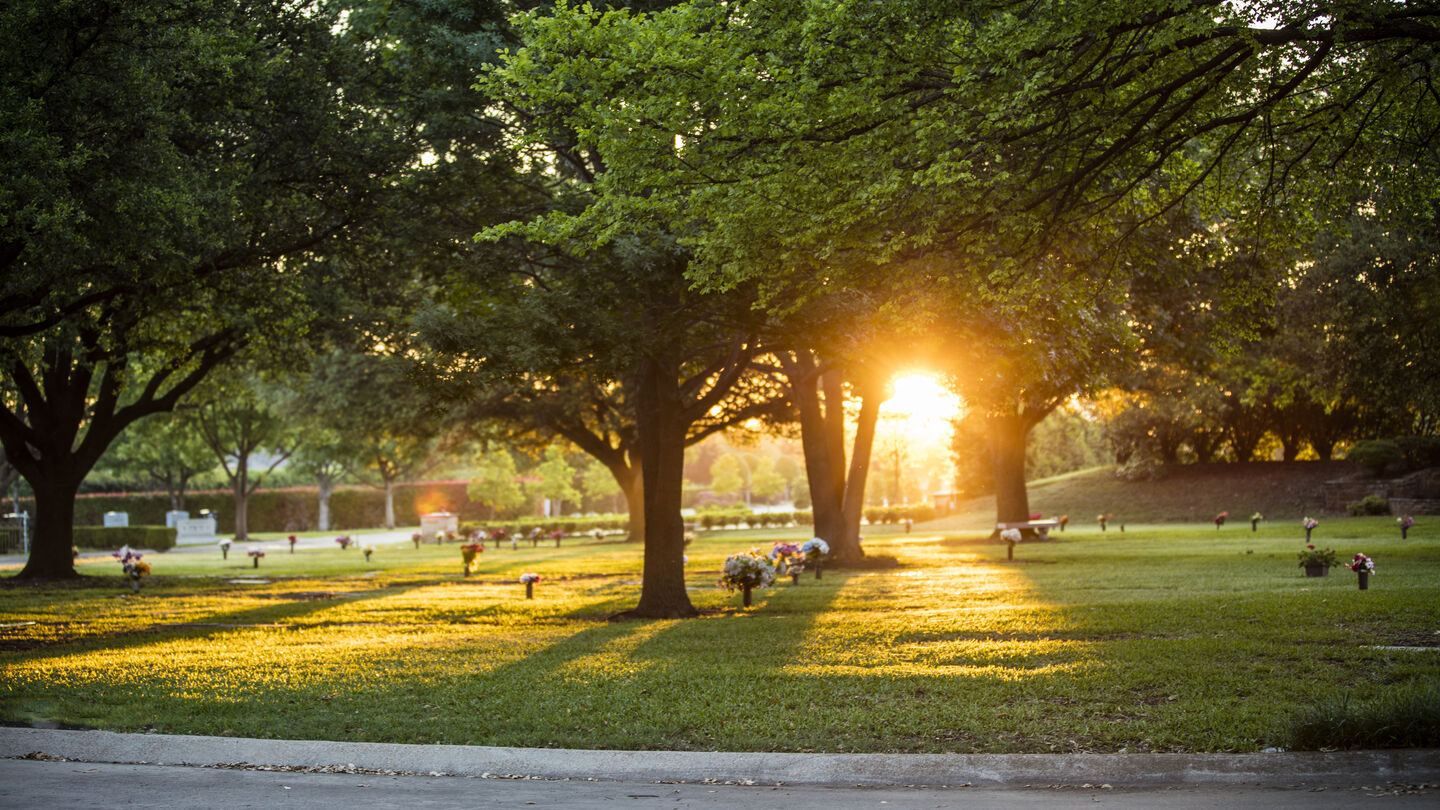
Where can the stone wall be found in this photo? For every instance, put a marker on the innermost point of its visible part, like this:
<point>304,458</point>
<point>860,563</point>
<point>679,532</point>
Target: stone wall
<point>1415,494</point>
<point>1415,506</point>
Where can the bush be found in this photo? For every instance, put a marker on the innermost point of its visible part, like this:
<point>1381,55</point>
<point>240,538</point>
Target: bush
<point>1375,454</point>
<point>150,538</point>
<point>1369,505</point>
<point>1405,718</point>
<point>1419,451</point>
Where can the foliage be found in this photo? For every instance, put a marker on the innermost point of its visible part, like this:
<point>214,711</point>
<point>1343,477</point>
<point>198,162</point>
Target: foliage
<point>497,486</point>
<point>1369,505</point>
<point>1316,556</point>
<point>152,538</point>
<point>1374,454</point>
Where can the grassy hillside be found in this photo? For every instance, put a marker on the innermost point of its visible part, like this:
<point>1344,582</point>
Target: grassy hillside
<point>1281,491</point>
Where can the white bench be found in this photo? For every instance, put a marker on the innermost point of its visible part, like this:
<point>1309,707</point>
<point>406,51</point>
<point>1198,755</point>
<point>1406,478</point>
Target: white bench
<point>1040,527</point>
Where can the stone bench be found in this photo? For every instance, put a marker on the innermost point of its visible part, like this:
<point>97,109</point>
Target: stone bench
<point>1040,527</point>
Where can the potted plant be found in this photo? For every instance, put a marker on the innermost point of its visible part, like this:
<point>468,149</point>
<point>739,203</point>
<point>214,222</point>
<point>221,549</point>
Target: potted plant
<point>1364,567</point>
<point>743,572</point>
<point>1317,562</point>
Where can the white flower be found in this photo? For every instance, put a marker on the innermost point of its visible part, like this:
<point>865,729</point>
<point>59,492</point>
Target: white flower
<point>815,547</point>
<point>1010,535</point>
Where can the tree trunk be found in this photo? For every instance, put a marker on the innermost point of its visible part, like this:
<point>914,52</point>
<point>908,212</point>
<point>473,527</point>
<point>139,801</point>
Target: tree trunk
<point>1007,454</point>
<point>324,489</point>
<point>389,503</point>
<point>241,486</point>
<point>50,556</point>
<point>816,440</point>
<point>847,550</point>
<point>632,486</point>
<point>662,429</point>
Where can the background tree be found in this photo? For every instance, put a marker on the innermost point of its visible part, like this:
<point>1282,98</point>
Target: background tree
<point>167,450</point>
<point>496,484</point>
<point>149,210</point>
<point>557,480</point>
<point>327,457</point>
<point>243,424</point>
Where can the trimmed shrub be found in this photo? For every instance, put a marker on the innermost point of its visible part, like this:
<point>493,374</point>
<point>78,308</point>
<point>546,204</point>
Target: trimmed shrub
<point>150,538</point>
<point>1375,454</point>
<point>1369,505</point>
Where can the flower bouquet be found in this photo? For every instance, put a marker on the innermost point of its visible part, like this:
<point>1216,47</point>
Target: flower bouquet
<point>1064,519</point>
<point>343,541</point>
<point>529,578</point>
<point>255,555</point>
<point>292,538</point>
<point>470,555</point>
<point>1364,566</point>
<point>1309,523</point>
<point>556,535</point>
<point>368,551</point>
<point>1103,519</point>
<point>134,567</point>
<point>742,572</point>
<point>1405,524</point>
<point>224,549</point>
<point>416,538</point>
<point>1316,562</point>
<point>1255,521</point>
<point>788,560</point>
<point>815,551</point>
<point>1219,519</point>
<point>1011,537</point>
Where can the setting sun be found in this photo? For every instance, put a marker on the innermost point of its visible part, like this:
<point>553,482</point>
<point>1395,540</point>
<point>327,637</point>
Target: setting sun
<point>922,398</point>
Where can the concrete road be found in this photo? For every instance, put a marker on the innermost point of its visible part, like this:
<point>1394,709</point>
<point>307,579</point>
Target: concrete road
<point>81,785</point>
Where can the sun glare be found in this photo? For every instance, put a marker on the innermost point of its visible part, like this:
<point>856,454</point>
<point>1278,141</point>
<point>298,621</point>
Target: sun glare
<point>922,398</point>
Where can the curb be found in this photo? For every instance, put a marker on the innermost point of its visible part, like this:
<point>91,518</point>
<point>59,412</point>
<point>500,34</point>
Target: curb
<point>1290,768</point>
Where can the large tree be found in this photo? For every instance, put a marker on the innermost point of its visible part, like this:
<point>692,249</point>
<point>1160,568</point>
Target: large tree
<point>169,169</point>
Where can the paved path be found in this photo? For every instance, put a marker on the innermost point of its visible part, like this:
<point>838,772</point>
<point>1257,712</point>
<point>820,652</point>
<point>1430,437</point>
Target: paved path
<point>83,769</point>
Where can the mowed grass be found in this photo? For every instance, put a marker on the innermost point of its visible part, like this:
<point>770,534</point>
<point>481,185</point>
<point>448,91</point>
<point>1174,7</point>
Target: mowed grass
<point>1155,639</point>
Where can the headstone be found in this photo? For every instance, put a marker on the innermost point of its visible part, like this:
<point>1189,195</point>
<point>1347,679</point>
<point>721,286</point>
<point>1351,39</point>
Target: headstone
<point>172,516</point>
<point>116,519</point>
<point>435,523</point>
<point>192,530</point>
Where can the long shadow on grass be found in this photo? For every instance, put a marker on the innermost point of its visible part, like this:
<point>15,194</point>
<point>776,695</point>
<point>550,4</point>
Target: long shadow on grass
<point>286,614</point>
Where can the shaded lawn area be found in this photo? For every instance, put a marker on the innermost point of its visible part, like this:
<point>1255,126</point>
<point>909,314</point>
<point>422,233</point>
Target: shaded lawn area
<point>1158,639</point>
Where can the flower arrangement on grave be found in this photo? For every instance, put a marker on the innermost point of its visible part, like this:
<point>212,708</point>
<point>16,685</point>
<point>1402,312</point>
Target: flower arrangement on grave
<point>1309,523</point>
<point>74,552</point>
<point>556,536</point>
<point>343,541</point>
<point>689,538</point>
<point>416,538</point>
<point>292,540</point>
<point>1064,519</point>
<point>815,551</point>
<point>788,560</point>
<point>1103,519</point>
<point>598,534</point>
<point>368,551</point>
<point>1255,520</point>
<point>470,555</point>
<point>1405,523</point>
<point>1361,563</point>
<point>1219,519</point>
<point>528,579</point>
<point>741,572</point>
<point>132,565</point>
<point>224,548</point>
<point>1313,556</point>
<point>451,537</point>
<point>255,555</point>
<point>1011,537</point>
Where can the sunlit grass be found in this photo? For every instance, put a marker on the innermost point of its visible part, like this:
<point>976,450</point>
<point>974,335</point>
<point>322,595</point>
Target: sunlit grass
<point>1155,639</point>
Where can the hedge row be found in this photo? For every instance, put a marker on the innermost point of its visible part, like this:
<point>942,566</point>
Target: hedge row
<point>287,510</point>
<point>151,538</point>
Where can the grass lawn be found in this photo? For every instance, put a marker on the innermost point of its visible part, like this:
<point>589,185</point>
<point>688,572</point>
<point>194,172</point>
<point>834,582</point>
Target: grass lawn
<point>1161,638</point>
